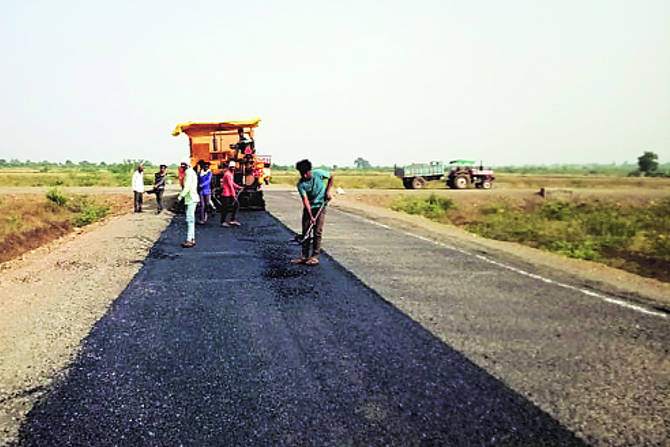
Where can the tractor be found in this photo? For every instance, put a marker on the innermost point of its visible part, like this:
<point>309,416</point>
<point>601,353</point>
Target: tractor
<point>220,143</point>
<point>462,174</point>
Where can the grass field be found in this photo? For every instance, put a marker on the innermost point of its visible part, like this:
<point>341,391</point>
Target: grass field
<point>28,221</point>
<point>69,178</point>
<point>347,179</point>
<point>385,180</point>
<point>626,225</point>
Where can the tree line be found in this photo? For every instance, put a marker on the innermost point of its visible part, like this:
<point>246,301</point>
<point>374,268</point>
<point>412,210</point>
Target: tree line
<point>46,166</point>
<point>647,165</point>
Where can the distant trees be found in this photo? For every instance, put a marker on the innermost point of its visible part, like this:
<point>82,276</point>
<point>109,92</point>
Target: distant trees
<point>362,163</point>
<point>648,163</point>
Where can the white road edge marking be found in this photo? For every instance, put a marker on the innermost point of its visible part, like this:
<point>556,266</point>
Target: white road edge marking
<point>517,270</point>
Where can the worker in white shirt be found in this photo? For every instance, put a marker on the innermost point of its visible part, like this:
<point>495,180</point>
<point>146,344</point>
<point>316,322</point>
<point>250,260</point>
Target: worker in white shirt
<point>189,194</point>
<point>138,188</point>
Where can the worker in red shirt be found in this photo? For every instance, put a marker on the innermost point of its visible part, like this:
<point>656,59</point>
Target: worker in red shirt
<point>229,196</point>
<point>181,177</point>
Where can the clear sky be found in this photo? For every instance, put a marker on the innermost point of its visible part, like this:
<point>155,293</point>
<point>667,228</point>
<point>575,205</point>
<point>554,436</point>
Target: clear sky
<point>508,82</point>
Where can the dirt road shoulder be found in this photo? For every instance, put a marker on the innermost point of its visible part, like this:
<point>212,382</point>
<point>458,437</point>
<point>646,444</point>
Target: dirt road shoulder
<point>52,297</point>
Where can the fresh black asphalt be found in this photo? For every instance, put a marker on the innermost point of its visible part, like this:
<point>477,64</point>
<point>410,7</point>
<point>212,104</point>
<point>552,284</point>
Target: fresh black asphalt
<point>228,343</point>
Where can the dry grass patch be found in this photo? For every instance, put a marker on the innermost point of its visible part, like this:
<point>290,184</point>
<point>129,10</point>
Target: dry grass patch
<point>28,221</point>
<point>518,181</point>
<point>386,180</point>
<point>631,236</point>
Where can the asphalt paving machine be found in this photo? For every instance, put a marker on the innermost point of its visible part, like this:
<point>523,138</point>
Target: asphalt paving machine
<point>219,143</point>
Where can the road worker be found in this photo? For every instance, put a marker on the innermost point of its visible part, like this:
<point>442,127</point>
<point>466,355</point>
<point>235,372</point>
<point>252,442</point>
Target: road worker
<point>314,189</point>
<point>189,194</point>
<point>229,196</point>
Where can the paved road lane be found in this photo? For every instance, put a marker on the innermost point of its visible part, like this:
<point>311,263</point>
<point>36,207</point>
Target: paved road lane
<point>229,344</point>
<point>601,369</point>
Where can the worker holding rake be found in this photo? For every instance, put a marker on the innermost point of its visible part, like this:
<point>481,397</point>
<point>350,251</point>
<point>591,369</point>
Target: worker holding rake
<point>314,189</point>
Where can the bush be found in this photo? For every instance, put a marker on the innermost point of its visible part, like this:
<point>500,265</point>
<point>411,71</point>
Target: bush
<point>433,207</point>
<point>556,210</point>
<point>89,215</point>
<point>56,197</point>
<point>86,211</point>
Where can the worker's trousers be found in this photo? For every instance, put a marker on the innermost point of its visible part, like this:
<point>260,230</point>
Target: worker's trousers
<point>137,201</point>
<point>190,221</point>
<point>318,232</point>
<point>159,199</point>
<point>229,205</point>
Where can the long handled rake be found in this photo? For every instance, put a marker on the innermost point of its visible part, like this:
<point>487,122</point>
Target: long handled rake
<point>240,192</point>
<point>309,234</point>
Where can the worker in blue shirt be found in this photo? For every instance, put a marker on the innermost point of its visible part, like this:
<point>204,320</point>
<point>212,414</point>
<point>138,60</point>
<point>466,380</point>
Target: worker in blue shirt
<point>314,189</point>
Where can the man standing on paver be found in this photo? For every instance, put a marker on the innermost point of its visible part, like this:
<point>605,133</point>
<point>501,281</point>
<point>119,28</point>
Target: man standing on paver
<point>314,192</point>
<point>159,187</point>
<point>138,188</point>
<point>189,194</point>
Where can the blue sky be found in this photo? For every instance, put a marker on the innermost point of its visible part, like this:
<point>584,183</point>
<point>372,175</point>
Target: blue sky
<point>508,82</point>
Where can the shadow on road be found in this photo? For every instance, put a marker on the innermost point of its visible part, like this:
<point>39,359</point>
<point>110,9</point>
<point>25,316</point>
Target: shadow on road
<point>229,344</point>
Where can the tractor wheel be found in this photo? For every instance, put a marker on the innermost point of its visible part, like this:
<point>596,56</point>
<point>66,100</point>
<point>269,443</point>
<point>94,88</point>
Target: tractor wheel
<point>487,184</point>
<point>407,183</point>
<point>461,182</point>
<point>418,183</point>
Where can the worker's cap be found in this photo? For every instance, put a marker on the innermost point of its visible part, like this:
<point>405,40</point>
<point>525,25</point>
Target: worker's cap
<point>186,161</point>
<point>231,164</point>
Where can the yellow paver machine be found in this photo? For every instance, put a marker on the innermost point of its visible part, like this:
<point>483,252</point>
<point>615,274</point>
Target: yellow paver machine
<point>222,142</point>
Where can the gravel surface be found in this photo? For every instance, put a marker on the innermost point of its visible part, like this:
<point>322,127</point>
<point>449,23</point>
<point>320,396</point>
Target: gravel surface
<point>229,344</point>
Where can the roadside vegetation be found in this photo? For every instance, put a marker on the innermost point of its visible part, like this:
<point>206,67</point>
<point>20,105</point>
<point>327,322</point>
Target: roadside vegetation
<point>647,173</point>
<point>385,180</point>
<point>68,174</point>
<point>633,237</point>
<point>348,179</point>
<point>362,175</point>
<point>30,220</point>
